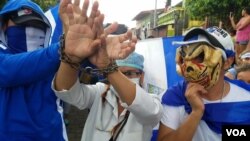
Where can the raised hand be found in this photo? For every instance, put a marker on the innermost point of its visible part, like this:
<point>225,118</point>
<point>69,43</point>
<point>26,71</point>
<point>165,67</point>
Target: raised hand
<point>119,47</point>
<point>113,47</point>
<point>231,16</point>
<point>63,14</point>
<point>80,40</point>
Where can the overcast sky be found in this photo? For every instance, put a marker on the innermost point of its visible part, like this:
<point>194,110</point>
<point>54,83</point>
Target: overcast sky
<point>123,11</point>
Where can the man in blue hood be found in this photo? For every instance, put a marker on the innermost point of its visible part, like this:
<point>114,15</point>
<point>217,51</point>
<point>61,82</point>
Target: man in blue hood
<point>29,110</point>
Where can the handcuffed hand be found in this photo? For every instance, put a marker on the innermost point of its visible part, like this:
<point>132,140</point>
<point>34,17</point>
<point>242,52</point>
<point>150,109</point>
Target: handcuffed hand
<point>80,30</point>
<point>113,47</point>
<point>86,37</point>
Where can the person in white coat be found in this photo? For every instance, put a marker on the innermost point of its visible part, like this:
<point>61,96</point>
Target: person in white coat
<point>120,110</point>
<point>109,110</point>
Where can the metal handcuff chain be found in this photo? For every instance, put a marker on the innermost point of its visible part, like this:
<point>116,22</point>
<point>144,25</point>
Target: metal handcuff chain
<point>112,67</point>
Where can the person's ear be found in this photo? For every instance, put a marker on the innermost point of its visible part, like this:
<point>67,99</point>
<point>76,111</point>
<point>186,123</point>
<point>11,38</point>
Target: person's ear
<point>228,63</point>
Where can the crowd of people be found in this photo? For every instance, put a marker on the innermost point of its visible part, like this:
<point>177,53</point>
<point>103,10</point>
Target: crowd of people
<point>44,55</point>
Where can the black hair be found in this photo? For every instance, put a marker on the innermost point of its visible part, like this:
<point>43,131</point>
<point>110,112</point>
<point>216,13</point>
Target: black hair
<point>247,9</point>
<point>122,28</point>
<point>242,68</point>
<point>4,19</point>
<point>232,31</point>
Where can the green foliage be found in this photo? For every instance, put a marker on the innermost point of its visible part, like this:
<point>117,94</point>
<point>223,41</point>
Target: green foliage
<point>44,4</point>
<point>2,2</point>
<point>215,10</point>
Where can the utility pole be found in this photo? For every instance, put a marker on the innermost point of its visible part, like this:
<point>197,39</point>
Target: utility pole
<point>155,13</point>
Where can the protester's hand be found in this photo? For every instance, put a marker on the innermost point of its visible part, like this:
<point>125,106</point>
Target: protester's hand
<point>120,46</point>
<point>100,58</point>
<point>78,12</point>
<point>80,40</point>
<point>220,24</point>
<point>113,47</point>
<point>193,94</point>
<point>63,14</point>
<point>80,15</point>
<point>231,16</point>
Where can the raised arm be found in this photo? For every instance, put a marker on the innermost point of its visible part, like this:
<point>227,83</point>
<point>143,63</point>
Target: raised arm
<point>80,39</point>
<point>112,48</point>
<point>231,17</point>
<point>125,88</point>
<point>83,40</point>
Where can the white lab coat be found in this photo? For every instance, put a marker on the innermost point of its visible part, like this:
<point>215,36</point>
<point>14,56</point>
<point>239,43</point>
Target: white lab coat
<point>145,112</point>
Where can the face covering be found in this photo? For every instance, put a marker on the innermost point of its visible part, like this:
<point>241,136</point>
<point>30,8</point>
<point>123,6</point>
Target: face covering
<point>135,80</point>
<point>199,63</point>
<point>23,39</point>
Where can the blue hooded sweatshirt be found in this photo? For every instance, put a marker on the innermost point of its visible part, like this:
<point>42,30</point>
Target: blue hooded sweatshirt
<point>29,109</point>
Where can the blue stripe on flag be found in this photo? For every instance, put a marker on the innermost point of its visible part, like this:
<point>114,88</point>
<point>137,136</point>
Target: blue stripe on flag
<point>170,52</point>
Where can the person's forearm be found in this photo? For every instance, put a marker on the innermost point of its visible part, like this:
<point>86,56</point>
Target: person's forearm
<point>123,86</point>
<point>186,131</point>
<point>233,24</point>
<point>65,77</point>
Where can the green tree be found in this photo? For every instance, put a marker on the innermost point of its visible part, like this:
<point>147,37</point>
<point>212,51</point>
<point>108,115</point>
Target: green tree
<point>215,10</point>
<point>44,4</point>
<point>2,2</point>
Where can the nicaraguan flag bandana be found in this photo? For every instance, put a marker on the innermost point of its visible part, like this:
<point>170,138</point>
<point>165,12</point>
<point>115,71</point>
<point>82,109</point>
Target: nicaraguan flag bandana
<point>234,113</point>
<point>23,39</point>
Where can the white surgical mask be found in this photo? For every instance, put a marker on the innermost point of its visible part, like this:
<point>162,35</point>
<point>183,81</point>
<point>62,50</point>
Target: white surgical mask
<point>135,80</point>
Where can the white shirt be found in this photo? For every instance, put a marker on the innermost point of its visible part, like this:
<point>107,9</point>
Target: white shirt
<point>145,112</point>
<point>173,117</point>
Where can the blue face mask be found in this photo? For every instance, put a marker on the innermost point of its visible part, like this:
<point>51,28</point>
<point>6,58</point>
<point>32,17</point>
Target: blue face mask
<point>23,39</point>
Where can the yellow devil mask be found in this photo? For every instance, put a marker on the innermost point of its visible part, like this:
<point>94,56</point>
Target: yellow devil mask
<point>200,57</point>
<point>199,63</point>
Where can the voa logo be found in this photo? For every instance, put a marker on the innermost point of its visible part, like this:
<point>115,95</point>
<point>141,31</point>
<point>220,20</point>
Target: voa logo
<point>236,132</point>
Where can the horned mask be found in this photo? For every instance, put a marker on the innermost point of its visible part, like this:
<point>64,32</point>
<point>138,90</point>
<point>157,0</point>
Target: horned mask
<point>199,63</point>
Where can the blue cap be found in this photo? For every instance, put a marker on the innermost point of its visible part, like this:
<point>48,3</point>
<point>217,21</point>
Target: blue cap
<point>134,60</point>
